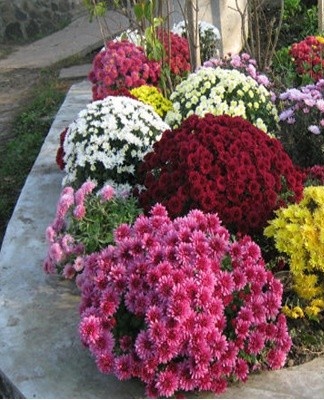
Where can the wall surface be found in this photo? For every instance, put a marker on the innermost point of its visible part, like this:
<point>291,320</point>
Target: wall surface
<point>22,20</point>
<point>224,15</point>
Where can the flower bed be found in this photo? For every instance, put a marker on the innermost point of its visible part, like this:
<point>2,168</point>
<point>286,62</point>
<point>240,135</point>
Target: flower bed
<point>179,212</point>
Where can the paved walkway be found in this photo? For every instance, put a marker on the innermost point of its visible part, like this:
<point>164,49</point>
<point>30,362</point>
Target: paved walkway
<point>78,38</point>
<point>40,351</point>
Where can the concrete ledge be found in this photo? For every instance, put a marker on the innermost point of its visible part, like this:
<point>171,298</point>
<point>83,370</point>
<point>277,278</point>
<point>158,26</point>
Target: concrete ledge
<point>7,389</point>
<point>75,72</point>
<point>40,352</point>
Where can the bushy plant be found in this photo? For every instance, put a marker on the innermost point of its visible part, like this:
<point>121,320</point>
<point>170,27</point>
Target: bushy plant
<point>121,64</point>
<point>298,232</point>
<point>84,223</point>
<point>221,91</point>
<point>108,140</point>
<point>308,57</point>
<point>176,58</point>
<point>283,70</point>
<point>314,175</point>
<point>220,164</point>
<point>244,63</point>
<point>302,122</point>
<point>153,96</point>
<point>209,38</point>
<point>180,306</point>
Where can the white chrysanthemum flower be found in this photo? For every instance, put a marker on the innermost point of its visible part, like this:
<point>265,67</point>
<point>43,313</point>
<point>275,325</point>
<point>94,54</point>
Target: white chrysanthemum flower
<point>109,139</point>
<point>223,91</point>
<point>132,36</point>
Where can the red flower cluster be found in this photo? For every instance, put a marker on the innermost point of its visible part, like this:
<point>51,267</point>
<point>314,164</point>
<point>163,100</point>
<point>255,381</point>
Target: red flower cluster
<point>60,151</point>
<point>177,52</point>
<point>308,57</point>
<point>315,174</point>
<point>121,64</point>
<point>220,164</point>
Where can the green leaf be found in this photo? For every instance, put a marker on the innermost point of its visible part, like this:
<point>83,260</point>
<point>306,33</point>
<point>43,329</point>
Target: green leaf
<point>139,11</point>
<point>148,10</point>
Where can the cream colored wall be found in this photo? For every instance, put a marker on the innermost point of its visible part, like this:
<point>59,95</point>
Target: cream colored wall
<point>223,14</point>
<point>231,25</point>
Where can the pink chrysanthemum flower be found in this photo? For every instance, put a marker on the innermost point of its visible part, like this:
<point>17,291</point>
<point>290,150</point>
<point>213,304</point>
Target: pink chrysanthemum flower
<point>105,362</point>
<point>123,367</point>
<point>181,320</point>
<point>107,193</point>
<point>90,329</point>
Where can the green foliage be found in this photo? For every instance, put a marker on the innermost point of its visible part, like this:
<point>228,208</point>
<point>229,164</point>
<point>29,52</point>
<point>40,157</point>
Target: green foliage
<point>95,229</point>
<point>95,8</point>
<point>291,8</point>
<point>283,71</point>
<point>310,26</point>
<point>283,68</point>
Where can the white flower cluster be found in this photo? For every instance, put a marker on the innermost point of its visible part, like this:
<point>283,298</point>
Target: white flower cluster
<point>132,36</point>
<point>222,91</point>
<point>109,138</point>
<point>204,29</point>
<point>209,38</point>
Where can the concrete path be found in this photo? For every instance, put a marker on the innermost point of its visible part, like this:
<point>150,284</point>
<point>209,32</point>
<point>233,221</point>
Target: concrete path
<point>40,351</point>
<point>78,38</point>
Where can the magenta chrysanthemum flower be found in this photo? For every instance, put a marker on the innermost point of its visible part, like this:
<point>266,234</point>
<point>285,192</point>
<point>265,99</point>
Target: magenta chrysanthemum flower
<point>181,320</point>
<point>105,362</point>
<point>90,329</point>
<point>123,367</point>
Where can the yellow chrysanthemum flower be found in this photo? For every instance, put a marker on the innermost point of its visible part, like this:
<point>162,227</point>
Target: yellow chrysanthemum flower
<point>298,231</point>
<point>152,96</point>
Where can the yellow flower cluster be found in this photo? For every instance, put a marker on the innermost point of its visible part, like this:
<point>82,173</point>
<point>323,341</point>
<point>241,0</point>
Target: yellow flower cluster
<point>293,312</point>
<point>152,96</point>
<point>320,39</point>
<point>298,231</point>
<point>311,311</point>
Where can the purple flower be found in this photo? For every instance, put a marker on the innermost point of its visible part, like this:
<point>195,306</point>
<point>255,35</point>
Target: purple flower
<point>314,129</point>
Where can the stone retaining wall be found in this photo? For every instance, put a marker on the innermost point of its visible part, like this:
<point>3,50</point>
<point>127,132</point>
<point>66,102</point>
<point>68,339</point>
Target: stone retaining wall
<point>25,20</point>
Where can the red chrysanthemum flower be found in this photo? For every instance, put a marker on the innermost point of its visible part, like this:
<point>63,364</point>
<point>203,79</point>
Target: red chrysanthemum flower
<point>206,164</point>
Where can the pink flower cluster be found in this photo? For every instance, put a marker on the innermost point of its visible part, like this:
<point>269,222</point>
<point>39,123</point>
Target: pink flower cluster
<point>121,64</point>
<point>180,306</point>
<point>242,62</point>
<point>65,254</point>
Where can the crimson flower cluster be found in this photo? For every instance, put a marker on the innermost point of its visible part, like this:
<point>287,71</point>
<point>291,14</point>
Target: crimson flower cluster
<point>121,64</point>
<point>60,151</point>
<point>308,57</point>
<point>177,52</point>
<point>220,164</point>
<point>315,175</point>
<point>180,306</point>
